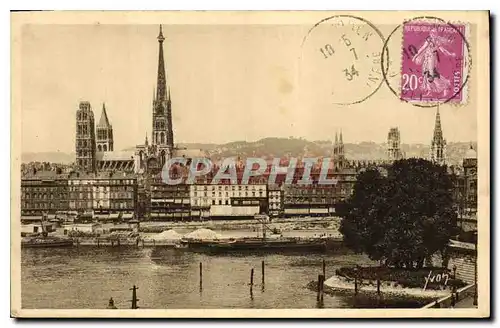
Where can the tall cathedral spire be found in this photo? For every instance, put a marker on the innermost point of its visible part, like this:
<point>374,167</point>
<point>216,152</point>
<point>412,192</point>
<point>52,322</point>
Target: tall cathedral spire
<point>438,132</point>
<point>161,81</point>
<point>162,132</point>
<point>336,145</point>
<point>438,144</point>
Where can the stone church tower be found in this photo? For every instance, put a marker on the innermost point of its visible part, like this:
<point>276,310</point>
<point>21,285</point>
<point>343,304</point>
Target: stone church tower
<point>438,144</point>
<point>394,145</point>
<point>85,138</point>
<point>104,132</point>
<point>339,160</point>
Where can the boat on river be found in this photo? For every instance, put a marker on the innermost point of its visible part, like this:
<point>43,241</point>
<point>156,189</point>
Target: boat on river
<point>42,240</point>
<point>45,241</point>
<point>264,243</point>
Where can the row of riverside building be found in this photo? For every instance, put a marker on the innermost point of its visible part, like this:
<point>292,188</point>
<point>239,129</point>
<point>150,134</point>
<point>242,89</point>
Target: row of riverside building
<point>122,196</point>
<point>105,184</point>
<point>108,196</point>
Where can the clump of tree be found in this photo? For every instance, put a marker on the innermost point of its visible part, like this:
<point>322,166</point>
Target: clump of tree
<point>403,216</point>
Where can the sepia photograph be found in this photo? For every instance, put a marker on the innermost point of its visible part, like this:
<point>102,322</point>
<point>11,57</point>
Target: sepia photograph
<point>250,164</point>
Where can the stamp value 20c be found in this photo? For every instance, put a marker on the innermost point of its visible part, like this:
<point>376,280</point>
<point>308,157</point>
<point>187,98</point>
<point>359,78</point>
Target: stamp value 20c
<point>433,63</point>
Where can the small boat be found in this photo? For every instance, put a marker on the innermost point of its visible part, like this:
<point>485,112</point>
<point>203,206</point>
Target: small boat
<point>45,241</point>
<point>42,240</point>
<point>280,244</point>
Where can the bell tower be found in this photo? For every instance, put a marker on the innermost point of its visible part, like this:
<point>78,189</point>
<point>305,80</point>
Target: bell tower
<point>85,138</point>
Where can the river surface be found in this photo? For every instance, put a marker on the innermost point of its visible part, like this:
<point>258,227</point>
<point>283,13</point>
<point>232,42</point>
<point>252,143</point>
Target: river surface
<point>86,277</point>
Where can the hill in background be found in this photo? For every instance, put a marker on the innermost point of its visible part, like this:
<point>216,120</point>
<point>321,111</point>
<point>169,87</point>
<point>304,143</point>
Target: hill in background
<point>279,147</point>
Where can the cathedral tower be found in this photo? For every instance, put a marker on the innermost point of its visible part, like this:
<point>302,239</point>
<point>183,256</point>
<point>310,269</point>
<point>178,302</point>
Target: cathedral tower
<point>162,135</point>
<point>104,132</point>
<point>394,144</point>
<point>85,138</point>
<point>438,144</point>
<point>338,152</point>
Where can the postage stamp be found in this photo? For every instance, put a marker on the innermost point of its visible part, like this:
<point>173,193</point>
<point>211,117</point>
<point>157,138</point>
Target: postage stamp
<point>434,63</point>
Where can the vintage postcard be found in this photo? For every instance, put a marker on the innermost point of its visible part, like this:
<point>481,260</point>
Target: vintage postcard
<point>250,164</point>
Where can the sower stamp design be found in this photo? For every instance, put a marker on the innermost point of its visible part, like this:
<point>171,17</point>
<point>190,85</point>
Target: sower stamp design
<point>433,64</point>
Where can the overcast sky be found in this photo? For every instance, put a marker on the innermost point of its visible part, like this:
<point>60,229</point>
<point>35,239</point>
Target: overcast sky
<point>227,83</point>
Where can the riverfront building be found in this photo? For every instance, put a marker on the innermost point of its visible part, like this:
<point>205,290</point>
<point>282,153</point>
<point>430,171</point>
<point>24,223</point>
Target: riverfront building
<point>43,191</point>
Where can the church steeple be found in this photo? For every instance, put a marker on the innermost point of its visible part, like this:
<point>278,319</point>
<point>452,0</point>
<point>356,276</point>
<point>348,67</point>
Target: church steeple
<point>104,141</point>
<point>162,132</point>
<point>161,81</point>
<point>103,121</point>
<point>341,144</point>
<point>336,144</point>
<point>438,144</point>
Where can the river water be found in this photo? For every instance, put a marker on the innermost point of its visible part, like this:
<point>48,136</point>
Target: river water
<point>86,277</point>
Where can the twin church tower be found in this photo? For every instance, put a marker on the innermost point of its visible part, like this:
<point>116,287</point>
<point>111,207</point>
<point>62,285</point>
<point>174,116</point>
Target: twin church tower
<point>95,144</point>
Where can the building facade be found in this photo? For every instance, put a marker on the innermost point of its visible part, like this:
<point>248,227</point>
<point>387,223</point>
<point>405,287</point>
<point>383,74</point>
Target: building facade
<point>44,192</point>
<point>470,182</point>
<point>170,202</point>
<point>103,195</point>
<point>275,196</point>
<point>228,201</point>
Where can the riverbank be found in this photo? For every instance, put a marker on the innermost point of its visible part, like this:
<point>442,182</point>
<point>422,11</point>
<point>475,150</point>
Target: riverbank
<point>336,283</point>
<point>284,224</point>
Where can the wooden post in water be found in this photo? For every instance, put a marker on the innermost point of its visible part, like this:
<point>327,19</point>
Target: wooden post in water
<point>454,296</point>
<point>251,278</point>
<point>322,288</point>
<point>134,297</point>
<point>324,268</point>
<point>355,281</point>
<point>319,287</point>
<point>97,242</point>
<point>263,273</point>
<point>201,276</point>
<point>111,304</point>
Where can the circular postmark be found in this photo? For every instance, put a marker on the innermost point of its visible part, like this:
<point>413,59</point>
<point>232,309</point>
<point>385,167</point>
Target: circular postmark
<point>435,62</point>
<point>341,59</point>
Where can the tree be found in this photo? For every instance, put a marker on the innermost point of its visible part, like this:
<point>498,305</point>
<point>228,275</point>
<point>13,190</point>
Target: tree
<point>403,217</point>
